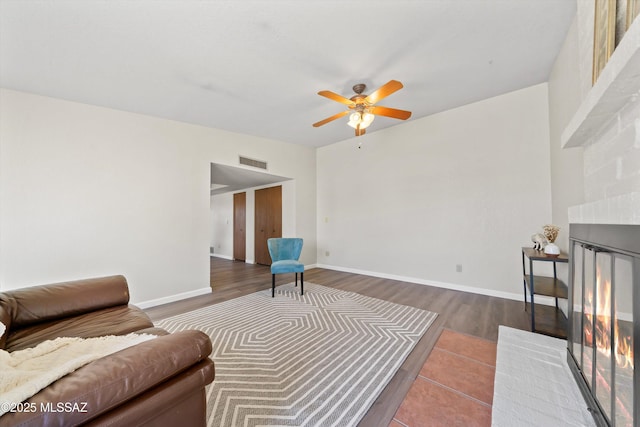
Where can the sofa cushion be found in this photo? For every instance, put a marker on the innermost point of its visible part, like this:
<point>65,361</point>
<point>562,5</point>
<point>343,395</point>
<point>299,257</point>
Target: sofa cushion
<point>119,320</point>
<point>105,384</point>
<point>37,304</point>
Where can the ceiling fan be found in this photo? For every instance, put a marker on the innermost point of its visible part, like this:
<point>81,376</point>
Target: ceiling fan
<point>361,107</point>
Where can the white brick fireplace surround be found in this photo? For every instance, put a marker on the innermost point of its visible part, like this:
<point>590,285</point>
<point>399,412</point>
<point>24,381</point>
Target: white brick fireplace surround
<point>607,126</point>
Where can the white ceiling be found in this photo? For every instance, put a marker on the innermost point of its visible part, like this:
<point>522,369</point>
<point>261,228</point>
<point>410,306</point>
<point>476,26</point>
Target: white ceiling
<point>225,179</point>
<point>255,67</point>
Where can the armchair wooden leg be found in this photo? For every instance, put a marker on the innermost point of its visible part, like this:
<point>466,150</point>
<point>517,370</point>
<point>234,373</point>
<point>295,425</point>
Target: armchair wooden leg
<point>273,285</point>
<point>296,279</point>
<point>301,283</point>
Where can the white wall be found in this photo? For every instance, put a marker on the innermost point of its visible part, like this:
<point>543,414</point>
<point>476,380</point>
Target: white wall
<point>566,88</point>
<point>565,95</point>
<point>569,82</point>
<point>467,186</point>
<point>222,225</point>
<point>88,191</point>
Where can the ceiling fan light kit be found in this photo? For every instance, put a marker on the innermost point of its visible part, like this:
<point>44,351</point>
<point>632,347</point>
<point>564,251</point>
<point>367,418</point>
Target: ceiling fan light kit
<point>363,119</point>
<point>362,107</point>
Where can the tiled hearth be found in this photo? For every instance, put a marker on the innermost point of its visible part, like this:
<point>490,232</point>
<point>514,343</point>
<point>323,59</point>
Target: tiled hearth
<point>454,387</point>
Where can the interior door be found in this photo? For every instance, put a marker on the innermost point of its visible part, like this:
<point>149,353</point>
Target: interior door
<point>268,221</point>
<point>239,226</point>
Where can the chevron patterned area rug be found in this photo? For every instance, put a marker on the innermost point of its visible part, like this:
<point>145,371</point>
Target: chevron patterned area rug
<point>315,360</point>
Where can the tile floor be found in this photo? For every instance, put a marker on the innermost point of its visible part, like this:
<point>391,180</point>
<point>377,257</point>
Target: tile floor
<point>454,387</point>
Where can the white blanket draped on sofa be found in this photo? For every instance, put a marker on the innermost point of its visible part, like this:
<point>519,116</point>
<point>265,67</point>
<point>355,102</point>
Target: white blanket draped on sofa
<point>23,373</point>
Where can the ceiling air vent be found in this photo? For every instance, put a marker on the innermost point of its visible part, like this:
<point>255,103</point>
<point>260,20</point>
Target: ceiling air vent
<point>253,163</point>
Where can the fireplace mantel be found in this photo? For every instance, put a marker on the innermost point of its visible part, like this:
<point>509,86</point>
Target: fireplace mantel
<point>617,85</point>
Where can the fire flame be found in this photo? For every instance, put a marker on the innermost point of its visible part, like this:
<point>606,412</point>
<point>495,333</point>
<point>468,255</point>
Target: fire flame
<point>623,349</point>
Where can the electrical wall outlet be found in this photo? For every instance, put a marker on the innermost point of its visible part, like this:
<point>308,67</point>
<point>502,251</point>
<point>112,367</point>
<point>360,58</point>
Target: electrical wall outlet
<point>327,253</point>
<point>459,268</point>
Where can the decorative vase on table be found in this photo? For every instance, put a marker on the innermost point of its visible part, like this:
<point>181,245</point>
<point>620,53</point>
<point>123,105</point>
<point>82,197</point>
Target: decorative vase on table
<point>551,233</point>
<point>552,249</point>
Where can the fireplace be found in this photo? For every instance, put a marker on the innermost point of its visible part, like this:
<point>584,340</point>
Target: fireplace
<point>603,340</point>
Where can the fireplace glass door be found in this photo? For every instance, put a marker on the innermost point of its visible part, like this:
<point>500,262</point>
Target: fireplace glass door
<point>601,336</point>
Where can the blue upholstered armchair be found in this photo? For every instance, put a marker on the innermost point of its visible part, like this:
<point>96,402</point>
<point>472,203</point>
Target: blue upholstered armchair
<point>285,253</point>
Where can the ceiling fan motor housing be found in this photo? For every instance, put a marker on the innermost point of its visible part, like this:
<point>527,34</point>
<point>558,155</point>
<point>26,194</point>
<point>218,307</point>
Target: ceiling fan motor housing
<point>359,88</point>
<point>359,98</point>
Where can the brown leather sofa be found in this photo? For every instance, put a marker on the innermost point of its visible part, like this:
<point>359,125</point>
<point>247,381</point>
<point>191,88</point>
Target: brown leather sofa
<point>157,382</point>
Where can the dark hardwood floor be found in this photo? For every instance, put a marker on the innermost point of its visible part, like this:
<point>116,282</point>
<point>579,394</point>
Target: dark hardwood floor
<point>472,314</point>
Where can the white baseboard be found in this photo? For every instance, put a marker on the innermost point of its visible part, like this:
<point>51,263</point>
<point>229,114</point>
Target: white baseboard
<point>540,299</point>
<point>173,298</point>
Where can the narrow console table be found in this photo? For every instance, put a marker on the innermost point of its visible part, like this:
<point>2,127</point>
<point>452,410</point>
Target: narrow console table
<point>551,321</point>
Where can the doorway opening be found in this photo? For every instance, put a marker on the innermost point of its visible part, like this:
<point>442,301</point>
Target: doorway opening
<point>233,213</point>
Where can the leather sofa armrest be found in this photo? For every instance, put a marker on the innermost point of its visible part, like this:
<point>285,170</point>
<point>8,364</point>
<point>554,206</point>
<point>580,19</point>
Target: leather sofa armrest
<point>106,383</point>
<point>37,304</point>
<point>5,319</point>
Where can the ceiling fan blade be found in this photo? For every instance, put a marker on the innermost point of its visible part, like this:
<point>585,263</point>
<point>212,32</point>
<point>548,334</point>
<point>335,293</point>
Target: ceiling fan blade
<point>384,91</point>
<point>330,119</point>
<point>335,97</point>
<point>390,112</point>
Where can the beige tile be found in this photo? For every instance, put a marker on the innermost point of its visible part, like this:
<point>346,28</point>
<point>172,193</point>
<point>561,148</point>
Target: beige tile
<point>466,345</point>
<point>460,373</point>
<point>430,405</point>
